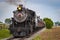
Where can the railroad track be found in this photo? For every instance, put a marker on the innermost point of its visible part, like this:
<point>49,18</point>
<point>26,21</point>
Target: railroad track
<point>16,39</point>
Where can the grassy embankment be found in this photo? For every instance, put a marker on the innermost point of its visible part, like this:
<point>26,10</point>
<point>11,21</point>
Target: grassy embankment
<point>4,33</point>
<point>49,34</point>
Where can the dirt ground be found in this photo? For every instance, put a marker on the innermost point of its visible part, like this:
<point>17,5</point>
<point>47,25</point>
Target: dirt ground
<point>51,34</point>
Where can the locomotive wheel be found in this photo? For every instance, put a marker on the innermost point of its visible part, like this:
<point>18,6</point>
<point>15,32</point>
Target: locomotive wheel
<point>15,35</point>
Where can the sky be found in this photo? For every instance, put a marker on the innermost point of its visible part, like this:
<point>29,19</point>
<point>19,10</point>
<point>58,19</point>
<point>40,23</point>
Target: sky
<point>43,8</point>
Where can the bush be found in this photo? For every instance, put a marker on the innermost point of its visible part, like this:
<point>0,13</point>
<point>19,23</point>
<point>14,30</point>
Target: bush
<point>48,22</point>
<point>4,33</point>
<point>36,38</point>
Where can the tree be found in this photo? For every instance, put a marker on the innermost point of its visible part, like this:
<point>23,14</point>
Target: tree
<point>1,22</point>
<point>7,21</point>
<point>57,23</point>
<point>49,23</point>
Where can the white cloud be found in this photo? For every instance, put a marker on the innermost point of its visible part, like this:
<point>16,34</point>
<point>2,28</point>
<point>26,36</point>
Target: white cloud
<point>40,9</point>
<point>6,11</point>
<point>44,11</point>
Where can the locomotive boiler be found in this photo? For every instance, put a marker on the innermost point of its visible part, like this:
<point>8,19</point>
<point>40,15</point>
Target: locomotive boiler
<point>23,22</point>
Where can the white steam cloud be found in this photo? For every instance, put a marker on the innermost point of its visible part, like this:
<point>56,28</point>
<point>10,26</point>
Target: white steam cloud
<point>15,2</point>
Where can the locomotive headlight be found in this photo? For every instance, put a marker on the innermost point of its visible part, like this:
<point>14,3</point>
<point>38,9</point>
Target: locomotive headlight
<point>19,8</point>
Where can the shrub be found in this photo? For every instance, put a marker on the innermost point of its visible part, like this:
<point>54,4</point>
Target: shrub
<point>48,22</point>
<point>36,38</point>
<point>4,33</point>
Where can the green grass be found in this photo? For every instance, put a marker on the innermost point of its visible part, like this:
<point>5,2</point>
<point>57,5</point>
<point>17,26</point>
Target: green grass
<point>4,33</point>
<point>36,38</point>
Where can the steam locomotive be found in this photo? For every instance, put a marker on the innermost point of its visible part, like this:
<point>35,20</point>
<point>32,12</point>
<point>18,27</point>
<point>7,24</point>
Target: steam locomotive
<point>23,22</point>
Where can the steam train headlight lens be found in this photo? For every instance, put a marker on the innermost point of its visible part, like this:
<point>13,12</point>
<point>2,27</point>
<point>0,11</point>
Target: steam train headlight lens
<point>19,8</point>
